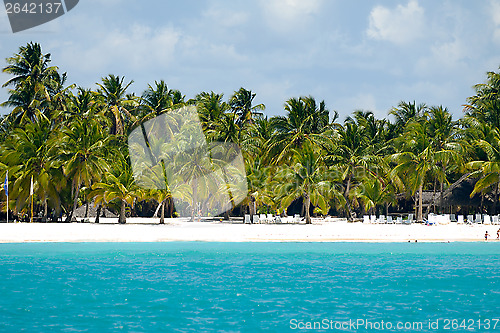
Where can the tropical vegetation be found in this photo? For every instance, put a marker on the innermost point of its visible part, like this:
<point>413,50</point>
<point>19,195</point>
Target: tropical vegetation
<point>72,141</point>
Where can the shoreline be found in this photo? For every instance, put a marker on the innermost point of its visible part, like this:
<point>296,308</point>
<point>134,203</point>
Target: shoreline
<point>148,230</point>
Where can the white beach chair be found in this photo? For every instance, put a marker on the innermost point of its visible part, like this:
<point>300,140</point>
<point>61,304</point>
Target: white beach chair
<point>277,219</point>
<point>409,220</point>
<point>487,219</point>
<point>389,220</point>
<point>256,219</point>
<point>262,218</point>
<point>296,218</point>
<point>453,217</point>
<point>460,219</point>
<point>247,219</point>
<point>366,219</point>
<point>373,219</point>
<point>270,218</point>
<point>399,220</point>
<point>470,219</point>
<point>494,219</point>
<point>478,219</point>
<point>381,219</point>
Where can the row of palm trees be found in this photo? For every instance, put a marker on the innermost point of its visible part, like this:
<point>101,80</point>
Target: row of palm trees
<point>73,143</point>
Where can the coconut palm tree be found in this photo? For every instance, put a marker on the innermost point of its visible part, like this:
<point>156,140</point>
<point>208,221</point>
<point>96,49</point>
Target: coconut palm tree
<point>114,92</point>
<point>241,104</point>
<point>447,143</point>
<point>29,152</point>
<point>305,122</point>
<point>405,112</point>
<point>487,169</point>
<point>416,160</point>
<point>33,82</point>
<point>350,154</point>
<point>305,179</point>
<point>85,148</point>
<point>118,187</point>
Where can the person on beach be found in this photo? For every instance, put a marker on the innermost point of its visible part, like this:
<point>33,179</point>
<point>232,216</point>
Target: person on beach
<point>486,236</point>
<point>498,234</point>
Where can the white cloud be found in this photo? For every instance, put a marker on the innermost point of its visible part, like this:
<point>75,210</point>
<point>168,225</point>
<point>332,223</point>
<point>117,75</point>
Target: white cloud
<point>283,15</point>
<point>138,47</point>
<point>225,17</point>
<point>401,25</point>
<point>495,16</point>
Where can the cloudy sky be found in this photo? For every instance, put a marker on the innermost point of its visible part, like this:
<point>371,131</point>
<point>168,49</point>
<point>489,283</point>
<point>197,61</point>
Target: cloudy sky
<point>362,54</point>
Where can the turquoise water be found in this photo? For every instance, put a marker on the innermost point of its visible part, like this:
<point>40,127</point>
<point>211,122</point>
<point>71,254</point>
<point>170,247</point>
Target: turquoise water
<point>249,287</point>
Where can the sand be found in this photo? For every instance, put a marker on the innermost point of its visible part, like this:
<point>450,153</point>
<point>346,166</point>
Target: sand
<point>148,230</point>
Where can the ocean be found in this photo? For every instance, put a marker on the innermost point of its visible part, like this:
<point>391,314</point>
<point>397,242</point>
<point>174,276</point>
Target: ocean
<point>250,287</point>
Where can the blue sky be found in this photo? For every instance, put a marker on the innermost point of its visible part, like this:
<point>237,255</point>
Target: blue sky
<point>353,54</point>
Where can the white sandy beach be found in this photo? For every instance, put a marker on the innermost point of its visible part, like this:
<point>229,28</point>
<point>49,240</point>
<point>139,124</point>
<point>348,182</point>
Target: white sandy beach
<point>147,230</point>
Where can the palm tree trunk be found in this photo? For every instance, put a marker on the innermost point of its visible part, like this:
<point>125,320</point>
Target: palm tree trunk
<point>45,210</point>
<point>162,216</point>
<point>97,215</point>
<point>346,194</point>
<point>420,192</point>
<point>122,219</point>
<point>75,203</point>
<point>307,203</point>
<point>87,209</point>
<point>495,200</point>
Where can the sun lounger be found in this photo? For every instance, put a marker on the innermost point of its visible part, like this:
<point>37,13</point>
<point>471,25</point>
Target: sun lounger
<point>256,219</point>
<point>399,220</point>
<point>270,218</point>
<point>277,219</point>
<point>460,219</point>
<point>409,220</point>
<point>366,219</point>
<point>487,219</point>
<point>389,220</point>
<point>453,217</point>
<point>296,218</point>
<point>247,219</point>
<point>373,219</point>
<point>470,219</point>
<point>478,219</point>
<point>381,219</point>
<point>262,218</point>
<point>494,219</point>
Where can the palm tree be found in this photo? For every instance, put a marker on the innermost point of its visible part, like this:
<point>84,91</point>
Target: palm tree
<point>305,178</point>
<point>84,147</point>
<point>446,141</point>
<point>34,81</point>
<point>241,104</point>
<point>305,122</point>
<point>117,102</point>
<point>405,112</point>
<point>29,153</point>
<point>350,154</point>
<point>211,108</point>
<point>374,192</point>
<point>488,170</point>
<point>485,105</point>
<point>118,186</point>
<point>416,160</point>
